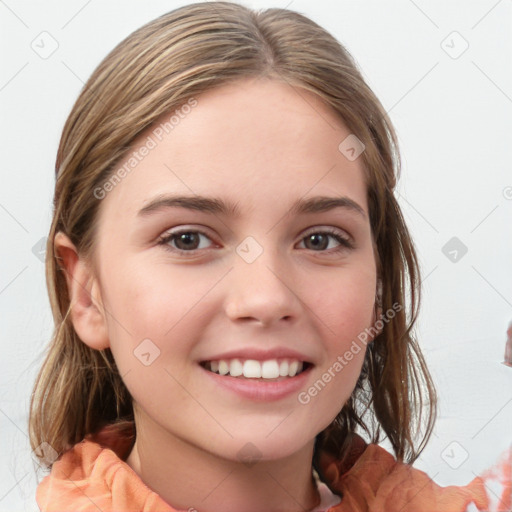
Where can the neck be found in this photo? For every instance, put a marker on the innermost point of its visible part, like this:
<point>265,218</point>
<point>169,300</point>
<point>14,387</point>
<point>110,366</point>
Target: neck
<point>188,477</point>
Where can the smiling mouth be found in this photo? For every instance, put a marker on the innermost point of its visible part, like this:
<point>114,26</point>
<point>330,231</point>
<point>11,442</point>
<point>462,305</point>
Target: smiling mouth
<point>269,370</point>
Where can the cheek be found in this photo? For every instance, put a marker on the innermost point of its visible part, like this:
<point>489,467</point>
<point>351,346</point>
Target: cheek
<point>150,301</point>
<point>155,304</point>
<point>344,315</point>
<point>344,312</point>
<point>346,305</point>
<point>140,310</point>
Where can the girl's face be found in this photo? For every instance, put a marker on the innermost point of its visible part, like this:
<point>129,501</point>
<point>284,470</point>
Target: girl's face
<point>284,277</point>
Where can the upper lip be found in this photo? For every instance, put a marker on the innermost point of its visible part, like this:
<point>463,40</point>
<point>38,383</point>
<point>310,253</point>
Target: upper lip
<point>259,354</point>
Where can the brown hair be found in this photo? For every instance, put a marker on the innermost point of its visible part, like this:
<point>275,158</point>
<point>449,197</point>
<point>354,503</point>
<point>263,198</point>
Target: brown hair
<point>155,70</point>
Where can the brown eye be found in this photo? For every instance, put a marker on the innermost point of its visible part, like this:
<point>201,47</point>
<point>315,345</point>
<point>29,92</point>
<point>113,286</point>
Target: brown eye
<point>183,241</point>
<point>318,241</point>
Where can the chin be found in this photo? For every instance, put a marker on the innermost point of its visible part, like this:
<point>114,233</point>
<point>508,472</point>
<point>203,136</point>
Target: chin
<point>262,446</point>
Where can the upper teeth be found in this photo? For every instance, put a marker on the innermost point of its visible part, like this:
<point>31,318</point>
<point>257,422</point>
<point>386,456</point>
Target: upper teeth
<point>252,369</point>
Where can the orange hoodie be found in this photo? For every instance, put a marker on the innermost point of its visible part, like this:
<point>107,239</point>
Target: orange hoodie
<point>93,476</point>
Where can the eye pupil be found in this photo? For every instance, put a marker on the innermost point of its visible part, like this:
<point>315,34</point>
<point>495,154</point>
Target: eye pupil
<point>316,236</point>
<point>187,238</point>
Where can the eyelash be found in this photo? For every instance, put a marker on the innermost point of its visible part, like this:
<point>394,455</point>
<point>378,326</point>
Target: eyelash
<point>345,243</point>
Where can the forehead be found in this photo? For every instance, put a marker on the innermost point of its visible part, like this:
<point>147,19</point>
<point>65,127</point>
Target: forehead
<point>254,142</point>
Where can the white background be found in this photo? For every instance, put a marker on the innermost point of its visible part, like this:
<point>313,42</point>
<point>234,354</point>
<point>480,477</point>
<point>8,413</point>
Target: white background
<point>454,121</point>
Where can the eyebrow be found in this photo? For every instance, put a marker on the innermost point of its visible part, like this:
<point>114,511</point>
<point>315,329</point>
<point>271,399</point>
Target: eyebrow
<point>216,205</point>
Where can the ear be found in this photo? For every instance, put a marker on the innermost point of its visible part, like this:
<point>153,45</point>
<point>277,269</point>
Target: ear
<point>87,312</point>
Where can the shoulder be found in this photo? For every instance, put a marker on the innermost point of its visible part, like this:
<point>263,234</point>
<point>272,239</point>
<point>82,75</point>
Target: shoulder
<point>375,481</point>
<point>93,476</point>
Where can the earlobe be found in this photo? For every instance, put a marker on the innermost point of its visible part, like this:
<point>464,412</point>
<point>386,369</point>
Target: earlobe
<point>87,312</point>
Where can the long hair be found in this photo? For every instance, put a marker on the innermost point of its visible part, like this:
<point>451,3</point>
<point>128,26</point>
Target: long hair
<point>155,71</point>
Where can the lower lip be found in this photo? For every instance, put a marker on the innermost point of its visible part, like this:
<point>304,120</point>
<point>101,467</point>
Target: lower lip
<point>261,390</point>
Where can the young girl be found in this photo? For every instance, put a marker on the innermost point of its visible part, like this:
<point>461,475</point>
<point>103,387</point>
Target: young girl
<point>233,284</point>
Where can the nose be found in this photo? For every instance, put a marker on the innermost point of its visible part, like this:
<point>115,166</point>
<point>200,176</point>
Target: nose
<point>262,292</point>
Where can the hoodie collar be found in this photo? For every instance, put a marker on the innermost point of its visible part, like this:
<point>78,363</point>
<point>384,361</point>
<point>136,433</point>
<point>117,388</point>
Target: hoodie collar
<point>94,475</point>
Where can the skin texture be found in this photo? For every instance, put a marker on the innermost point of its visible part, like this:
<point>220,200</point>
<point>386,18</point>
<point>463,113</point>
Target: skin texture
<point>261,144</point>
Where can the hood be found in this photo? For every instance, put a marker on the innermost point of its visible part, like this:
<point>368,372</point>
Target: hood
<point>93,476</point>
